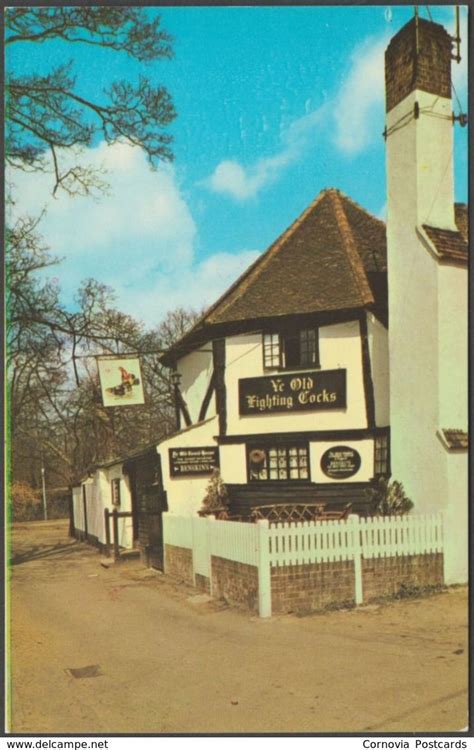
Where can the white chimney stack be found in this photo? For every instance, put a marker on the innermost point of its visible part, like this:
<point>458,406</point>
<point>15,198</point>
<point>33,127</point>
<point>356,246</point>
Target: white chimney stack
<point>427,258</point>
<point>419,126</point>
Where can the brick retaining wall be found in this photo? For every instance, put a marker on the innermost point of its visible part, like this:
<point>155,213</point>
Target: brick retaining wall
<point>319,585</point>
<point>203,583</point>
<point>179,563</point>
<point>386,576</point>
<point>236,582</point>
<point>313,586</point>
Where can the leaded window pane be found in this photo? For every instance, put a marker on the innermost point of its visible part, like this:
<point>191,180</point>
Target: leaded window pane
<point>271,350</point>
<point>282,463</point>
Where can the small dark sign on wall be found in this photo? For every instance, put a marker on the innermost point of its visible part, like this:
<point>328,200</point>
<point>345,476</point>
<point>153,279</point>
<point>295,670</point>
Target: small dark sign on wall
<point>193,461</point>
<point>310,391</point>
<point>340,462</point>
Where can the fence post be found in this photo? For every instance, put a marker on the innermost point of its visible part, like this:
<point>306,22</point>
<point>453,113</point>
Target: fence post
<point>210,526</point>
<point>194,541</point>
<point>164,517</point>
<point>357,552</point>
<point>107,532</point>
<point>264,577</point>
<point>116,534</point>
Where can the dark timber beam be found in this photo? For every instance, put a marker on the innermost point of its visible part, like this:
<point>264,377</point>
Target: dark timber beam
<point>207,397</point>
<point>367,372</point>
<point>218,356</point>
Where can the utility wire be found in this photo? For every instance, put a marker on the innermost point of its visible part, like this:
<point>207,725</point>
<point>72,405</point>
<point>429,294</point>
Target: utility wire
<point>457,97</point>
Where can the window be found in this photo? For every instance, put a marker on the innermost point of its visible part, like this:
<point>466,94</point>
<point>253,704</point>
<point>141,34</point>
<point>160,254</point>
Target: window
<point>279,463</point>
<point>271,350</point>
<point>291,350</point>
<point>381,463</point>
<point>115,484</point>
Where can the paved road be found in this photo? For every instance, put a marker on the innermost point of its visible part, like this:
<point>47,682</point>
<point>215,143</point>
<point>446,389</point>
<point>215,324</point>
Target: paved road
<point>168,662</point>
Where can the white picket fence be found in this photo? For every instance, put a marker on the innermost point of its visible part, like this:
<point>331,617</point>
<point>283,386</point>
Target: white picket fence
<point>265,545</point>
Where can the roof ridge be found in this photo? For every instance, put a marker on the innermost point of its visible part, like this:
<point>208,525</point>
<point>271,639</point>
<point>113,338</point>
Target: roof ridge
<point>348,198</point>
<point>355,262</point>
<point>262,261</point>
<point>367,214</point>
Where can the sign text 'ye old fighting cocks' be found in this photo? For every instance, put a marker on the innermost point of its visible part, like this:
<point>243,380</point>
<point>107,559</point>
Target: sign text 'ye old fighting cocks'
<point>310,391</point>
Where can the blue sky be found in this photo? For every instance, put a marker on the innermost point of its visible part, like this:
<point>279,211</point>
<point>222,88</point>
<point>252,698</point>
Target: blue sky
<point>274,104</point>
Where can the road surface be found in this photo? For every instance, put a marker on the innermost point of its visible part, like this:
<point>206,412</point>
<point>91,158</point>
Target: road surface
<point>168,661</point>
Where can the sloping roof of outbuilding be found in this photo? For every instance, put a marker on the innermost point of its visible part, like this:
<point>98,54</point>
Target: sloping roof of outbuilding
<point>452,246</point>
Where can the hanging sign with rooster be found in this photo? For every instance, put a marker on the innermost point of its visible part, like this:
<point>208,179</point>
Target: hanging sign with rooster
<point>120,381</point>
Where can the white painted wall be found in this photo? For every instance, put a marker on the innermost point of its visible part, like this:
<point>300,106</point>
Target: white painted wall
<point>456,519</point>
<point>364,447</point>
<point>378,349</point>
<point>453,347</point>
<point>185,494</point>
<point>413,327</point>
<point>78,512</point>
<point>428,322</point>
<point>95,521</point>
<point>95,511</point>
<point>196,371</point>
<point>99,497</point>
<point>420,162</point>
<point>233,463</point>
<point>125,524</point>
<point>340,347</point>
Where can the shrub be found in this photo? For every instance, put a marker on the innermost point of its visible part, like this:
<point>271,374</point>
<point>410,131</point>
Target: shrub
<point>25,502</point>
<point>216,496</point>
<point>389,498</point>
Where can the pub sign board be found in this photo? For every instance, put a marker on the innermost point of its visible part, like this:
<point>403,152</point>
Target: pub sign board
<point>120,380</point>
<point>340,462</point>
<point>308,391</point>
<point>189,462</point>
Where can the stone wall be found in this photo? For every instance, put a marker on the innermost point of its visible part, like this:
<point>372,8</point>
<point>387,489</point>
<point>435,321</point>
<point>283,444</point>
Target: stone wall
<point>236,582</point>
<point>179,563</point>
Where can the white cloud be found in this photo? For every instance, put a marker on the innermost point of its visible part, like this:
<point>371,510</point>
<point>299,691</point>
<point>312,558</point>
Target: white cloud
<point>357,116</point>
<point>140,239</point>
<point>196,286</point>
<point>241,183</point>
<point>358,105</point>
<point>351,111</point>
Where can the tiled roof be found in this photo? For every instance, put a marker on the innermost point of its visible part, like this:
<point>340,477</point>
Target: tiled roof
<point>461,217</point>
<point>333,257</point>
<point>319,263</point>
<point>451,245</point>
<point>455,439</point>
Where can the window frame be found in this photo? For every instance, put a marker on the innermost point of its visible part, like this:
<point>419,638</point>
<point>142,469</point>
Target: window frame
<point>303,335</point>
<point>115,484</point>
<point>287,447</point>
<point>382,445</point>
<point>269,347</point>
